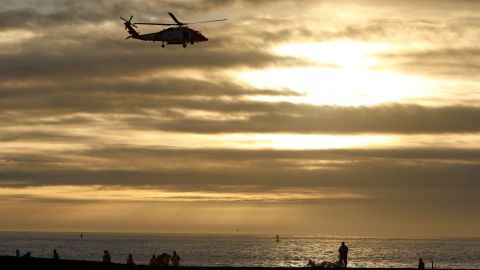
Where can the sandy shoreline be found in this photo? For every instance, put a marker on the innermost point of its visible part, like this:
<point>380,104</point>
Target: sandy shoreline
<point>11,262</point>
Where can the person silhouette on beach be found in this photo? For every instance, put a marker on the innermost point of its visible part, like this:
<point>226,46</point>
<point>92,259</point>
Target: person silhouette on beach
<point>164,259</point>
<point>342,254</point>
<point>106,257</point>
<point>175,259</point>
<point>153,260</point>
<point>421,264</point>
<point>17,253</point>
<point>55,254</point>
<point>130,260</point>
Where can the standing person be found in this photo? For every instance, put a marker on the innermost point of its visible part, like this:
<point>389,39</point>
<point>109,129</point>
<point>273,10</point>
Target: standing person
<point>106,257</point>
<point>55,254</point>
<point>130,260</point>
<point>163,259</point>
<point>153,260</point>
<point>421,264</point>
<point>342,254</point>
<point>17,253</point>
<point>175,259</point>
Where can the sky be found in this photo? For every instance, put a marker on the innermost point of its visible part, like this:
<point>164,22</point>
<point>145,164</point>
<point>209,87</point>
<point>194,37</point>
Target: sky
<point>344,118</point>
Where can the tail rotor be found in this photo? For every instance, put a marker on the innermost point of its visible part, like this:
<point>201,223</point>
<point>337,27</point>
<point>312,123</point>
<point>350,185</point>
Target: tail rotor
<point>128,22</point>
<point>129,27</point>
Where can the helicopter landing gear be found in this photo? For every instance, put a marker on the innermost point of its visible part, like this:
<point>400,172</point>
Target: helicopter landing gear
<point>184,45</point>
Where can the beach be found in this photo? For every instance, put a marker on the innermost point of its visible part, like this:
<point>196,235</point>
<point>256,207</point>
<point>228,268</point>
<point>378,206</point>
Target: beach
<point>11,262</point>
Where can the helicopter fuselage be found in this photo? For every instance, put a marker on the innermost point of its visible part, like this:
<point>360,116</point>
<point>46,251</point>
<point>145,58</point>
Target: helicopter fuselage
<point>174,35</point>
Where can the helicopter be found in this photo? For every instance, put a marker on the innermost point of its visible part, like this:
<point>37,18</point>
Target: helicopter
<point>180,34</point>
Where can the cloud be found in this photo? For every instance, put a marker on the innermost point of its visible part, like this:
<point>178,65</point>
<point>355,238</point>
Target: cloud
<point>76,40</point>
<point>246,170</point>
<point>174,105</point>
<point>83,63</point>
<point>292,118</point>
<point>446,62</point>
<point>41,14</point>
<point>97,193</point>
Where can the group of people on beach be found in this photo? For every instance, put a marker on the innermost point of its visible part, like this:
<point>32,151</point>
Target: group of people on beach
<point>341,263</point>
<point>163,259</point>
<point>29,254</point>
<point>343,258</point>
<point>108,259</point>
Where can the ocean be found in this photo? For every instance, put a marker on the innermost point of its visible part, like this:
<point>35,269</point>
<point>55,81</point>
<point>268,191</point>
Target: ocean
<point>248,250</point>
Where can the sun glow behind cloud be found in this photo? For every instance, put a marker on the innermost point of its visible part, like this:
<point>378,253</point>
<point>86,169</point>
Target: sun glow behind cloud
<point>16,36</point>
<point>345,54</point>
<point>342,73</point>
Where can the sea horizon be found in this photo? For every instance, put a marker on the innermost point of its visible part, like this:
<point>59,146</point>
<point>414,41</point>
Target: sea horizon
<point>252,234</point>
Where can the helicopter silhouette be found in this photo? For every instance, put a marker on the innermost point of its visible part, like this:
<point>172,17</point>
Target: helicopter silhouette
<point>181,34</point>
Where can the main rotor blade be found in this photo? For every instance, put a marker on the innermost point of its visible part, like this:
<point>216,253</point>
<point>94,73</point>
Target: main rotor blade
<point>174,19</point>
<point>157,23</point>
<point>206,21</point>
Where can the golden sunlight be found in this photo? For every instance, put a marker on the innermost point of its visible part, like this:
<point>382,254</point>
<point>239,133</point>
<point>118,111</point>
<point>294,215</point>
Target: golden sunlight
<point>345,54</point>
<point>153,194</point>
<point>312,141</point>
<point>342,73</point>
<point>16,36</point>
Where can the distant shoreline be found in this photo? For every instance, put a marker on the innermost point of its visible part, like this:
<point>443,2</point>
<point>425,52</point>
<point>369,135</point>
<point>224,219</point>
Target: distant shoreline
<point>12,262</point>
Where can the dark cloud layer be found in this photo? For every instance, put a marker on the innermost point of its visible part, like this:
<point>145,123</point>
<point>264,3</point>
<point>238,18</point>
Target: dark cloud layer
<point>40,14</point>
<point>168,108</point>
<point>262,168</point>
<point>75,64</point>
<point>289,118</point>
